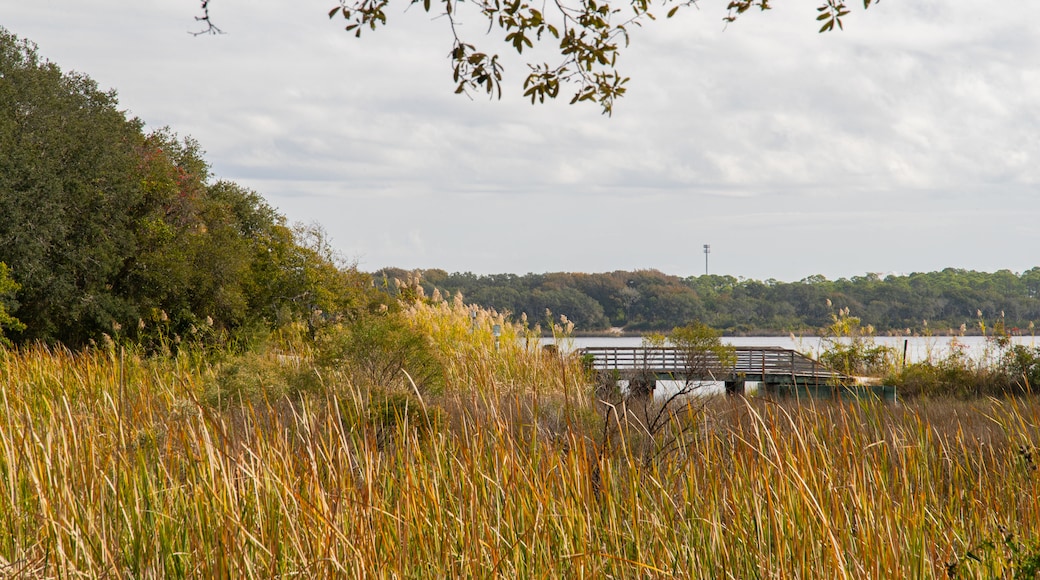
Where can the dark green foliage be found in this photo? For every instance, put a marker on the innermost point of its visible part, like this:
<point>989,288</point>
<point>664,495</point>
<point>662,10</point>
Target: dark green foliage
<point>938,379</point>
<point>112,232</point>
<point>1010,554</point>
<point>858,358</point>
<point>68,174</point>
<point>647,300</point>
<point>1021,364</point>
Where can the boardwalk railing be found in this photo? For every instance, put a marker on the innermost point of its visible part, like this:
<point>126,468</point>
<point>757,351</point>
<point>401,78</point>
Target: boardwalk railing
<point>763,363</point>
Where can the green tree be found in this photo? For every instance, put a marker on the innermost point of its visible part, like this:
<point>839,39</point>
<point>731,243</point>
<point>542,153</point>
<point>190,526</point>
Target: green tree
<point>583,311</point>
<point>67,175</point>
<point>109,230</point>
<point>8,287</point>
<point>703,351</point>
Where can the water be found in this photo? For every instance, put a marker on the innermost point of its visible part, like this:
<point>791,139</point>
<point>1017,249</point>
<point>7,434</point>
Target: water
<point>918,348</point>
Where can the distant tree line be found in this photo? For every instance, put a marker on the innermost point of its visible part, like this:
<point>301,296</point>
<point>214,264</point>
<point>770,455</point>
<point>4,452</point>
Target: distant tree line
<point>111,232</point>
<point>108,230</point>
<point>648,300</point>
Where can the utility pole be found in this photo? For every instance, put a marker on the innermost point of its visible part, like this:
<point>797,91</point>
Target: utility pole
<point>707,250</point>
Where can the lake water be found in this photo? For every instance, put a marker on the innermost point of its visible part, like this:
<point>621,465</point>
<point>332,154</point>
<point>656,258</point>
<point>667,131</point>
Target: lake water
<point>918,348</point>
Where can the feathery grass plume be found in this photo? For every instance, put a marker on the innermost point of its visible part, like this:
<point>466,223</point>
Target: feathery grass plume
<point>111,466</point>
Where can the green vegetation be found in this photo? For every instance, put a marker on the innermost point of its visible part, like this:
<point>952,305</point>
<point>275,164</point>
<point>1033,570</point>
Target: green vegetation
<point>1002,369</point>
<point>701,347</point>
<point>240,403</point>
<point>8,287</point>
<point>850,348</point>
<point>114,461</point>
<point>647,300</point>
<point>111,233</point>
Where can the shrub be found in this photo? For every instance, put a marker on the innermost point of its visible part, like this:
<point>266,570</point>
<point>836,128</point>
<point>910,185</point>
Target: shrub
<point>8,288</point>
<point>254,378</point>
<point>1010,370</point>
<point>392,414</point>
<point>1021,365</point>
<point>378,350</point>
<point>850,348</point>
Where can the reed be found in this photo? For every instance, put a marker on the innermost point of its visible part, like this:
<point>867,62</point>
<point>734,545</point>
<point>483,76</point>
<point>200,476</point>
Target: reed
<point>115,465</point>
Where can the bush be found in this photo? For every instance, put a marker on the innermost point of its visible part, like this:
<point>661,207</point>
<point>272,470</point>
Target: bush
<point>859,356</point>
<point>395,414</point>
<point>1021,364</point>
<point>255,378</point>
<point>702,350</point>
<point>377,350</point>
<point>850,348</point>
<point>942,379</point>
<point>1012,370</point>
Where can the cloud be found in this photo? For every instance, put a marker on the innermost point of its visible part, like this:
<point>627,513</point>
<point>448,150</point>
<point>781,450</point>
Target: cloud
<point>907,142</point>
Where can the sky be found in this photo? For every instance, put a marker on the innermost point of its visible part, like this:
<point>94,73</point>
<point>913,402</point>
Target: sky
<point>909,142</point>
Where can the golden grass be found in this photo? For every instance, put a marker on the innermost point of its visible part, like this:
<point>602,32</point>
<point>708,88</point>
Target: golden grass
<point>113,468</point>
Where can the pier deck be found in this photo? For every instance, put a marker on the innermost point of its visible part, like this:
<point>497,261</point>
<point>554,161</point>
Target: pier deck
<point>779,370</point>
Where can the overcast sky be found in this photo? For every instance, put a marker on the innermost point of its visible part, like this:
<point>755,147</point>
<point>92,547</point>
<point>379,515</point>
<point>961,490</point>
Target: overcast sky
<point>909,142</point>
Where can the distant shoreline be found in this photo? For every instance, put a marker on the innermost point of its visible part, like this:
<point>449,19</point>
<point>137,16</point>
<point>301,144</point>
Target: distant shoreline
<point>771,333</point>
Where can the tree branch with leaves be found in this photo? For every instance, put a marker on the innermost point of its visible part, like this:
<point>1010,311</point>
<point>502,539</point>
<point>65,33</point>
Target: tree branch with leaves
<point>585,37</point>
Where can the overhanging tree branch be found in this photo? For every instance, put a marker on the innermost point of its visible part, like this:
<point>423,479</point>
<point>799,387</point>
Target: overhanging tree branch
<point>587,35</point>
<point>204,19</point>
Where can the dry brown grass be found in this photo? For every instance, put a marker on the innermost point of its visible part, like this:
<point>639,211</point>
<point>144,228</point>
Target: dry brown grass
<point>117,469</point>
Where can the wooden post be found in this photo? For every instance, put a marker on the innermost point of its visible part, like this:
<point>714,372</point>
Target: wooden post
<point>735,387</point>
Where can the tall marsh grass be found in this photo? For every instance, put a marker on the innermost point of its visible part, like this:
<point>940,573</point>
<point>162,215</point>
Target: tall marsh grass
<point>117,466</point>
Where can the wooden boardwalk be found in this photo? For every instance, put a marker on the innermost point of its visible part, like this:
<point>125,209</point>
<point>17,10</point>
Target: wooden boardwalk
<point>779,370</point>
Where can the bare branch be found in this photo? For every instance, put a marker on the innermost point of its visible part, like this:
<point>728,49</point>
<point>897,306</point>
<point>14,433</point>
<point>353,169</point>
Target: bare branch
<point>210,27</point>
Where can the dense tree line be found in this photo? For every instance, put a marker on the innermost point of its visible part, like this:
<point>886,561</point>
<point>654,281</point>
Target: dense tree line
<point>106,229</point>
<point>938,302</point>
